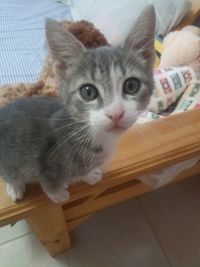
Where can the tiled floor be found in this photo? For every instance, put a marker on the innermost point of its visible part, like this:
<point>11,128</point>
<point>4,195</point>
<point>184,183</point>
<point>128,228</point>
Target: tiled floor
<point>159,229</point>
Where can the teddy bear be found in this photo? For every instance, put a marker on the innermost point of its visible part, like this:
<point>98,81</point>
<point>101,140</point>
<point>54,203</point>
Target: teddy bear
<point>182,48</point>
<point>47,85</point>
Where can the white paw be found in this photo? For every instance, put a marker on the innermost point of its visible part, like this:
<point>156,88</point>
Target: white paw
<point>62,196</point>
<point>16,191</point>
<point>93,177</point>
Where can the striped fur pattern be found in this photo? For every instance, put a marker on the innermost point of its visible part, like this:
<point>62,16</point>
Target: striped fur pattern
<point>57,141</point>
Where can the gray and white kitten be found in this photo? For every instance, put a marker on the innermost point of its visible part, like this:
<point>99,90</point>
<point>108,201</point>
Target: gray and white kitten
<point>57,141</point>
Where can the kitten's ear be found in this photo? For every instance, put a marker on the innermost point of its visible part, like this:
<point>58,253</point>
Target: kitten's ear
<point>64,47</point>
<point>141,37</point>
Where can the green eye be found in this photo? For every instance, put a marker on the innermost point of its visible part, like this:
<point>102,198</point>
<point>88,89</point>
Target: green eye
<point>88,92</point>
<point>131,86</point>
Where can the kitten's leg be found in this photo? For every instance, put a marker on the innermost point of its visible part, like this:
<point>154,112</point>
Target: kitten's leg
<point>61,195</point>
<point>93,177</point>
<point>16,190</point>
<point>57,193</point>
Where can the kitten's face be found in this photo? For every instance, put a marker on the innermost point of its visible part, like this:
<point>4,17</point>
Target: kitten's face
<point>106,87</point>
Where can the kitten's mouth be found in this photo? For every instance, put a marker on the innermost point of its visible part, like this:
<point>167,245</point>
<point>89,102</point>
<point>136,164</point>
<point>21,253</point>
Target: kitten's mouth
<point>116,128</point>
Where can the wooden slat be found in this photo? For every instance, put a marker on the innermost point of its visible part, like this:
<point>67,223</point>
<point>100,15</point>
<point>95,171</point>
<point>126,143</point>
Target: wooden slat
<point>155,145</point>
<point>76,214</point>
<point>50,227</point>
<point>142,149</point>
<point>106,201</point>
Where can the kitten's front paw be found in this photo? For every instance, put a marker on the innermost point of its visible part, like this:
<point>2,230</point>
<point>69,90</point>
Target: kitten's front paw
<point>93,177</point>
<point>62,196</point>
<point>16,190</point>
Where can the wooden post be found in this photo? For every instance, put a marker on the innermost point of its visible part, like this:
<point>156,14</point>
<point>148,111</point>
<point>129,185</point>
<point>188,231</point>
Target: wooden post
<point>50,227</point>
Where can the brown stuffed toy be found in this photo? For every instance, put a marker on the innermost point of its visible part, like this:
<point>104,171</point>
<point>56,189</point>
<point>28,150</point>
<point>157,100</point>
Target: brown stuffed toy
<point>85,32</point>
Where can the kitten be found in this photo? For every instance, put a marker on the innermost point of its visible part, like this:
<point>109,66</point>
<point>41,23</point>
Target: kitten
<point>56,141</point>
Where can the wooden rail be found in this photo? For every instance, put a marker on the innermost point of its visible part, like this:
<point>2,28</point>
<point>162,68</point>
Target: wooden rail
<point>143,149</point>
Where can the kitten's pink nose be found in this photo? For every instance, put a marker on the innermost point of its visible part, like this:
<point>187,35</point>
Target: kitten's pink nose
<point>116,116</point>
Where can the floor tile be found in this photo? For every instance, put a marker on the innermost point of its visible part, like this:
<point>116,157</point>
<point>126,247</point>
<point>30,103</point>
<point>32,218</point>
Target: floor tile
<point>174,215</point>
<point>115,237</point>
<point>27,252</point>
<point>8,232</point>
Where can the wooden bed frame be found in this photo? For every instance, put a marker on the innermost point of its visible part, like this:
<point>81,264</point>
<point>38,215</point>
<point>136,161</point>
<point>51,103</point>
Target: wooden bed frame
<point>142,149</point>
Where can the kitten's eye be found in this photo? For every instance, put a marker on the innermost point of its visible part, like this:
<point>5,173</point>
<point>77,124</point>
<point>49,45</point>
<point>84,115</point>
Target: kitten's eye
<point>131,86</point>
<point>88,92</point>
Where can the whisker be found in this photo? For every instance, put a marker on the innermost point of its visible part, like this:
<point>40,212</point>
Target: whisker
<point>80,147</point>
<point>64,139</point>
<point>66,125</point>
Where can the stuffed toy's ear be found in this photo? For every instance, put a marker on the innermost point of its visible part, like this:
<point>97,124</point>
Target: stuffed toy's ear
<point>141,37</point>
<point>64,47</point>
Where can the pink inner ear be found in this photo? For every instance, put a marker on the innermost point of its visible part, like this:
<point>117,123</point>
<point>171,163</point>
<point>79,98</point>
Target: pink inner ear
<point>146,48</point>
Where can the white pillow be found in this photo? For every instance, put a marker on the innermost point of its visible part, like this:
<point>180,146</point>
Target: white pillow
<point>115,18</point>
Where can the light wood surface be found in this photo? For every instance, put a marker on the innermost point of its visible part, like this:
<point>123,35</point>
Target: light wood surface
<point>75,211</point>
<point>142,149</point>
<point>50,227</point>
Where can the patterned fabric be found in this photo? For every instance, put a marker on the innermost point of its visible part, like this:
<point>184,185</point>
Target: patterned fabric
<point>22,40</point>
<point>147,116</point>
<point>190,99</point>
<point>169,86</point>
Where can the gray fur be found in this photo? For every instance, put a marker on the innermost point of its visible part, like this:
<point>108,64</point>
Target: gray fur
<point>52,140</point>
